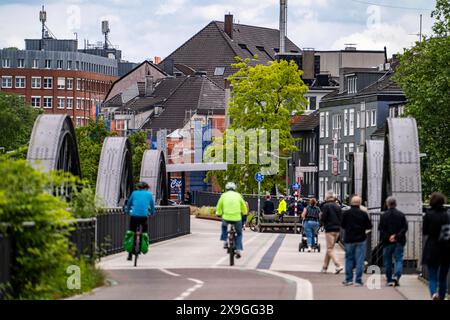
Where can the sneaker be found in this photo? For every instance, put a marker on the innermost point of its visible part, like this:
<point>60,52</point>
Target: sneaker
<point>391,284</point>
<point>358,284</point>
<point>345,283</point>
<point>237,254</point>
<point>435,297</point>
<point>339,269</point>
<point>309,249</point>
<point>396,282</point>
<point>225,245</point>
<point>323,270</point>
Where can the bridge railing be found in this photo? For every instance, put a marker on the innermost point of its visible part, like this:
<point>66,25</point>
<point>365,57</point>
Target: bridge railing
<point>210,199</point>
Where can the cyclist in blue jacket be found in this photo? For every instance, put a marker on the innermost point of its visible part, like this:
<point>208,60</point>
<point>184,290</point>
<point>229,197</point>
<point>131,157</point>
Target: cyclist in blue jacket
<point>139,205</point>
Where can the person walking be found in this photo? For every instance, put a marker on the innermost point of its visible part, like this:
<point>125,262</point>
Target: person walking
<point>355,222</point>
<point>310,216</point>
<point>436,254</point>
<point>393,228</point>
<point>331,217</point>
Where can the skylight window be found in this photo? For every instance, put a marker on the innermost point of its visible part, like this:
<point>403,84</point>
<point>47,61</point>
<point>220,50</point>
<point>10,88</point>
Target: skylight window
<point>219,71</point>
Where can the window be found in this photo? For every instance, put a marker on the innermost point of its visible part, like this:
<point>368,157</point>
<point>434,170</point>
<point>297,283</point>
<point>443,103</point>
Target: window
<point>367,118</point>
<point>20,82</point>
<point>312,103</point>
<point>69,64</point>
<point>69,103</point>
<point>61,102</point>
<point>351,147</point>
<point>82,103</point>
<point>358,119</point>
<point>69,84</point>
<point>337,126</point>
<point>327,124</point>
<point>374,118</point>
<point>36,102</point>
<point>20,63</point>
<point>321,189</point>
<point>78,84</point>
<point>48,83</point>
<point>219,71</point>
<point>48,102</point>
<point>7,82</point>
<point>322,124</point>
<point>345,122</point>
<point>351,83</point>
<point>48,64</point>
<point>35,82</point>
<point>322,158</point>
<point>35,63</point>
<point>59,64</point>
<point>5,63</point>
<point>77,65</point>
<point>351,122</point>
<point>326,157</point>
<point>78,106</point>
<point>344,160</point>
<point>61,83</point>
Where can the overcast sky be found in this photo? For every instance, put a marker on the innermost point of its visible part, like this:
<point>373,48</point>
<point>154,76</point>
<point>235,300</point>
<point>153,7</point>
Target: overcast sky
<point>147,28</point>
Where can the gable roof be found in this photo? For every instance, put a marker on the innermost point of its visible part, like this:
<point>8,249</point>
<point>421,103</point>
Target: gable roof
<point>211,47</point>
<point>306,122</point>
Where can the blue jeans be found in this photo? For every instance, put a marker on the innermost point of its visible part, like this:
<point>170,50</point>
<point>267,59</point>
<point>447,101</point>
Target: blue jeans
<point>438,276</point>
<point>244,221</point>
<point>310,230</point>
<point>354,257</point>
<point>396,250</point>
<point>238,228</point>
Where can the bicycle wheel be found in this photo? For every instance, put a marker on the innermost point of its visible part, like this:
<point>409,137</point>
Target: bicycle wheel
<point>232,253</point>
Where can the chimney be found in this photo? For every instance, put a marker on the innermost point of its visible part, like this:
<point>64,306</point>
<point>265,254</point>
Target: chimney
<point>283,25</point>
<point>229,25</point>
<point>157,60</point>
<point>148,85</point>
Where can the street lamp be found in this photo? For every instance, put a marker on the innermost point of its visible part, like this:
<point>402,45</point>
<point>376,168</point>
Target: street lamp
<point>287,167</point>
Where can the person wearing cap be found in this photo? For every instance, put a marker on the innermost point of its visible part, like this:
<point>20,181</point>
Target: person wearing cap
<point>139,205</point>
<point>231,206</point>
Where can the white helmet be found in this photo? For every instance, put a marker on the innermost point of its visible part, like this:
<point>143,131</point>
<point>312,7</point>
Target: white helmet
<point>230,186</point>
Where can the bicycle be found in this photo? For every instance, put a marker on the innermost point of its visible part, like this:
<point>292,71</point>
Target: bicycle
<point>231,243</point>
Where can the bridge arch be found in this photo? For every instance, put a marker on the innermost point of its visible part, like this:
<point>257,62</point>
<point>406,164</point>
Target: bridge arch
<point>115,172</point>
<point>372,174</point>
<point>53,145</point>
<point>153,171</point>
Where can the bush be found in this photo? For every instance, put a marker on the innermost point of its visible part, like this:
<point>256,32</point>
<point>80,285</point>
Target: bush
<point>42,251</point>
<point>207,211</point>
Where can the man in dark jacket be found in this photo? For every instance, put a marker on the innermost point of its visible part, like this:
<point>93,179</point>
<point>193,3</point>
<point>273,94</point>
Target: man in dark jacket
<point>393,228</point>
<point>331,220</point>
<point>355,223</point>
<point>268,206</point>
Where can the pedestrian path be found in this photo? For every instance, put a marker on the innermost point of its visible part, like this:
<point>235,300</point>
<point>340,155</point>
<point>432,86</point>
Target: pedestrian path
<point>196,267</point>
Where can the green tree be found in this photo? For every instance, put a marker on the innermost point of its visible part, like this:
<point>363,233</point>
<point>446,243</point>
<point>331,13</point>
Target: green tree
<point>139,144</point>
<point>424,76</point>
<point>16,121</point>
<point>263,97</point>
<point>90,140</point>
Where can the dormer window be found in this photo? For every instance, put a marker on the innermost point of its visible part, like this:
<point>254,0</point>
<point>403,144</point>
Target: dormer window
<point>351,85</point>
<point>219,71</point>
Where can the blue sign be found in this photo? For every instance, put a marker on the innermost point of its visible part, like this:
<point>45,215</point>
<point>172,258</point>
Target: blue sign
<point>296,186</point>
<point>259,177</point>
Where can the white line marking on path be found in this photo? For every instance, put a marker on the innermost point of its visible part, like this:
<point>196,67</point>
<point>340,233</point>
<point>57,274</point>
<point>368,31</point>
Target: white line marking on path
<point>169,273</point>
<point>304,287</point>
<point>189,291</point>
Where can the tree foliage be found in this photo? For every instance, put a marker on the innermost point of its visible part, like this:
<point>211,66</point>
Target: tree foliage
<point>424,75</point>
<point>263,98</point>
<point>42,251</point>
<point>139,144</point>
<point>16,121</point>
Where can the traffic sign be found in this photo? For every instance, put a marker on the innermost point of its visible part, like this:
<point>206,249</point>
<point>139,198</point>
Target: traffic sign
<point>296,186</point>
<point>259,177</point>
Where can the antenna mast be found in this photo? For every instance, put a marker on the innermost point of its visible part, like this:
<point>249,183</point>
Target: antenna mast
<point>43,20</point>
<point>105,31</point>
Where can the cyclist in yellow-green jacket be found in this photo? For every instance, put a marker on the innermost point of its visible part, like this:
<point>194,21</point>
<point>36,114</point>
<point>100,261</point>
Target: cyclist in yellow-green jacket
<point>282,208</point>
<point>231,207</point>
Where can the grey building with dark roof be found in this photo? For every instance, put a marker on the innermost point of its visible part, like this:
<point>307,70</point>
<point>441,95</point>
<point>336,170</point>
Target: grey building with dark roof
<point>350,116</point>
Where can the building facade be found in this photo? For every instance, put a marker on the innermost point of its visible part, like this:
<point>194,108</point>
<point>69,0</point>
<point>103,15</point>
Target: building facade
<point>348,118</point>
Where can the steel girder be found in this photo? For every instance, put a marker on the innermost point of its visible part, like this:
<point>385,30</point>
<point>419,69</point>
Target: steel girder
<point>153,171</point>
<point>357,172</point>
<point>373,174</point>
<point>115,174</point>
<point>53,145</point>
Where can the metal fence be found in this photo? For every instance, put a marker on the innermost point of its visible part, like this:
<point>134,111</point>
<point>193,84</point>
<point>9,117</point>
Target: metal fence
<point>84,237</point>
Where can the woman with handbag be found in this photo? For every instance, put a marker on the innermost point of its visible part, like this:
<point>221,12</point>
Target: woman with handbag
<point>436,254</point>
